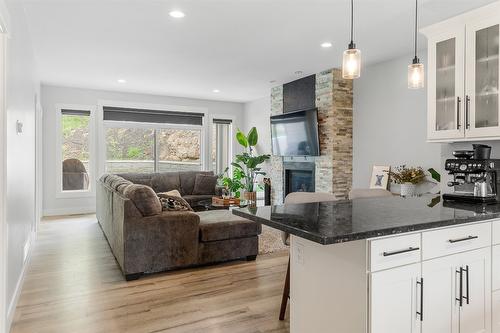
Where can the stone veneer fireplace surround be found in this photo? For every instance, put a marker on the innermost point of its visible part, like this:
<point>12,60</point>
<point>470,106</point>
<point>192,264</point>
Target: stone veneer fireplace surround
<point>333,168</point>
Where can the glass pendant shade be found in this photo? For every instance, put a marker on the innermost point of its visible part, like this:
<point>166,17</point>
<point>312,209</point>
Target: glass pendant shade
<point>416,76</point>
<point>351,64</point>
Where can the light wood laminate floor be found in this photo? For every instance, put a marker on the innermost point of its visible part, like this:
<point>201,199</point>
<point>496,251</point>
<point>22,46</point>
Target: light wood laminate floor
<point>73,284</point>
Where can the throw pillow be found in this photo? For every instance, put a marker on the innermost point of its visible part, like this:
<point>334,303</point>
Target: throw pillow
<point>173,193</point>
<point>204,184</point>
<point>173,203</point>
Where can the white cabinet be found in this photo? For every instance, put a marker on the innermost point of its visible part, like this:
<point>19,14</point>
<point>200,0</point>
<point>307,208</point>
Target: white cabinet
<point>395,300</point>
<point>496,267</point>
<point>457,293</point>
<point>496,312</point>
<point>463,76</point>
<point>475,312</point>
<point>441,313</point>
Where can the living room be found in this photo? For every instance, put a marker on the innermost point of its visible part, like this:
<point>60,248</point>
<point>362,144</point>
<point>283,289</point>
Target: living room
<point>180,166</point>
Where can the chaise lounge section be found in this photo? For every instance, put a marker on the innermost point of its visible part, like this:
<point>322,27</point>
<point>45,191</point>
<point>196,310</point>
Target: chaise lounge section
<point>145,239</point>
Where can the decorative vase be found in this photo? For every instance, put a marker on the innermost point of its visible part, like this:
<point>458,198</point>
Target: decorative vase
<point>408,189</point>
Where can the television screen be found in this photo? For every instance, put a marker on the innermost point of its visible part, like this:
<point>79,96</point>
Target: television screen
<point>295,133</point>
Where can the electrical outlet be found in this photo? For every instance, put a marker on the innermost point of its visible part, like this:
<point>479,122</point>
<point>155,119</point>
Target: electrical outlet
<point>299,253</point>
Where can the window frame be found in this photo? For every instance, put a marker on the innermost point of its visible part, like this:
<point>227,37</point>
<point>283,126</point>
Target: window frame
<point>155,127</point>
<point>90,192</point>
<point>232,148</point>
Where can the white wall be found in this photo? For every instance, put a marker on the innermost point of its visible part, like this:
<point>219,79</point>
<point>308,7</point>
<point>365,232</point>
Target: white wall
<point>389,121</point>
<point>21,89</point>
<point>257,115</point>
<point>52,95</point>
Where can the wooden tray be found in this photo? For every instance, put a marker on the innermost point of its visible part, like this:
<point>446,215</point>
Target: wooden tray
<point>218,201</point>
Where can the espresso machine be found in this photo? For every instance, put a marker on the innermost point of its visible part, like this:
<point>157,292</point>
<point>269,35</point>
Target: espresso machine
<point>474,180</point>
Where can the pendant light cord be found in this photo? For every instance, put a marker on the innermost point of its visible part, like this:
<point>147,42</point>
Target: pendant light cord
<point>352,45</point>
<point>415,60</point>
<point>352,21</point>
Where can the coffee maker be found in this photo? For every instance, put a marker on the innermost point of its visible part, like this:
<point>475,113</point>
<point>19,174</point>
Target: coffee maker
<point>474,180</point>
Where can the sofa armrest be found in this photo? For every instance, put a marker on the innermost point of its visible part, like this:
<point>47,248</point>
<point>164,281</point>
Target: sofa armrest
<point>160,242</point>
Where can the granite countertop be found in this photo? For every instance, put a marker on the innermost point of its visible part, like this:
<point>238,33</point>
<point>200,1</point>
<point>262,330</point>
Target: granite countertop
<point>344,221</point>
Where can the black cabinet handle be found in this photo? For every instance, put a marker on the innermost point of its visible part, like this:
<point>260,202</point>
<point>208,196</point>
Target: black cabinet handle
<point>421,313</point>
<point>462,239</point>
<point>460,298</point>
<point>393,253</point>
<point>466,270</point>
<point>467,106</point>
<point>459,101</point>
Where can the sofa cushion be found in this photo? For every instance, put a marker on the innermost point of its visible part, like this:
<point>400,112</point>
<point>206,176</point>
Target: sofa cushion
<point>222,224</point>
<point>204,184</point>
<point>194,200</point>
<point>173,202</point>
<point>138,178</point>
<point>144,198</point>
<point>165,181</point>
<point>187,179</point>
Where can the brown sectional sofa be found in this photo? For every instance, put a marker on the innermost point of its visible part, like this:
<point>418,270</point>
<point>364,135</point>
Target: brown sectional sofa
<point>145,239</point>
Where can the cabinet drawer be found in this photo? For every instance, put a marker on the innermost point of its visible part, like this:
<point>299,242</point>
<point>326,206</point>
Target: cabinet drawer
<point>496,232</point>
<point>454,240</point>
<point>395,251</point>
<point>496,268</point>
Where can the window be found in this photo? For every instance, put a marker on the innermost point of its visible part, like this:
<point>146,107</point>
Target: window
<point>139,140</point>
<point>179,150</point>
<point>221,144</point>
<point>129,150</point>
<point>75,126</point>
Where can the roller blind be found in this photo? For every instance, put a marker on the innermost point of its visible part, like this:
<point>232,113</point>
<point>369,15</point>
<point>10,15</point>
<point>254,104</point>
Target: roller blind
<point>222,121</point>
<point>68,112</point>
<point>152,116</point>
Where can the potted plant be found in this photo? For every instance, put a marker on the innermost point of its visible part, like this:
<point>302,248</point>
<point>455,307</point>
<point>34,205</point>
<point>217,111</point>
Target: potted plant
<point>409,178</point>
<point>233,184</point>
<point>248,163</point>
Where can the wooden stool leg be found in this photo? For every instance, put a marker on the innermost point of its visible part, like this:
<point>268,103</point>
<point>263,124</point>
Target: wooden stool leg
<point>286,293</point>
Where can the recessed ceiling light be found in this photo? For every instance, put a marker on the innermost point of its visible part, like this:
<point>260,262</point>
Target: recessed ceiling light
<point>177,14</point>
<point>326,45</point>
<point>121,81</point>
<point>216,91</point>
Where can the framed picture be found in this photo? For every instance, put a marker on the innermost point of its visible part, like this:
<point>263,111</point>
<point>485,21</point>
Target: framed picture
<point>380,176</point>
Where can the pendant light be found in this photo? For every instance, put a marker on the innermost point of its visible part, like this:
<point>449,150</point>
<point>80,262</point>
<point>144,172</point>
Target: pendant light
<point>416,73</point>
<point>351,64</point>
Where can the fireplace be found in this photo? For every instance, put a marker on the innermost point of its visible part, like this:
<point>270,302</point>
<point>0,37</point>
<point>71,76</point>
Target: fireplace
<point>299,177</point>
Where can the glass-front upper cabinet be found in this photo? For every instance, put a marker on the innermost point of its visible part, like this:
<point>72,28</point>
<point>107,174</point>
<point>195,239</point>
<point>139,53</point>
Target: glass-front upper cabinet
<point>482,107</point>
<point>446,85</point>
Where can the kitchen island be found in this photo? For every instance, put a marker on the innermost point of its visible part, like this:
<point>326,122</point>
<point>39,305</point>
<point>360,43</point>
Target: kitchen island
<point>390,265</point>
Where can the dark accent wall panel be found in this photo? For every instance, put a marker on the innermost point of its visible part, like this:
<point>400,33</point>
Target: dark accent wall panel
<point>300,94</point>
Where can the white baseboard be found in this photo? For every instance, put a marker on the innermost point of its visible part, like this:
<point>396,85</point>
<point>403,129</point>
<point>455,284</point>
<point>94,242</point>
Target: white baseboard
<point>11,310</point>
<point>68,211</point>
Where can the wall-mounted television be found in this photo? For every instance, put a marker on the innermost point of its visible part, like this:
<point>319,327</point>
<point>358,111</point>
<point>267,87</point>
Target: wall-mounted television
<point>295,133</point>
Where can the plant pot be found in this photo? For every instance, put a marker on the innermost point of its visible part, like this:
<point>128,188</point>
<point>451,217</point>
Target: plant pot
<point>408,190</point>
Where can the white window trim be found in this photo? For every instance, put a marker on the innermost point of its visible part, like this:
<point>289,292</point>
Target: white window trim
<point>232,146</point>
<point>60,194</point>
<point>102,124</point>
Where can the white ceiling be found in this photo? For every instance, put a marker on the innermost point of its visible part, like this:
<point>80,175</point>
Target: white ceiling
<point>236,46</point>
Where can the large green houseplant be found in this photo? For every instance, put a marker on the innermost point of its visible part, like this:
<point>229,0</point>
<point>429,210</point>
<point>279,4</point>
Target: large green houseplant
<point>248,162</point>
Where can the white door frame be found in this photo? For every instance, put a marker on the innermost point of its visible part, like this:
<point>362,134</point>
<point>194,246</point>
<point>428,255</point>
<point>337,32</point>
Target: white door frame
<point>3,174</point>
